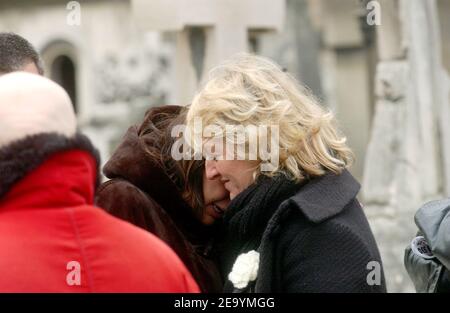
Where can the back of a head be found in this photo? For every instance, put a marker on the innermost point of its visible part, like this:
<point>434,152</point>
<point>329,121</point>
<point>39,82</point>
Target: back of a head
<point>16,53</point>
<point>31,104</point>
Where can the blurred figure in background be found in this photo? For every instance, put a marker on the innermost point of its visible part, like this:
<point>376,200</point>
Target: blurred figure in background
<point>171,199</point>
<point>52,238</point>
<point>17,54</point>
<point>427,258</point>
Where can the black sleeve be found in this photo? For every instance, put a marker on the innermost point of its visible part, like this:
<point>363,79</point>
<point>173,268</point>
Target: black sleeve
<point>443,285</point>
<point>328,258</point>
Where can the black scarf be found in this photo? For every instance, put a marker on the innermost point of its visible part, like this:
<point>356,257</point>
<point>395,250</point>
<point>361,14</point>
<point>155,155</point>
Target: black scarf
<point>248,214</point>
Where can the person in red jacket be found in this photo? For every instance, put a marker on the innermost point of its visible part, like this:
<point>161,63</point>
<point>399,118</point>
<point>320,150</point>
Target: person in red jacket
<point>52,237</point>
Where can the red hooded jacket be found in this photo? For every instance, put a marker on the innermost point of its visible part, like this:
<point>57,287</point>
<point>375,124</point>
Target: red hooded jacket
<point>52,238</point>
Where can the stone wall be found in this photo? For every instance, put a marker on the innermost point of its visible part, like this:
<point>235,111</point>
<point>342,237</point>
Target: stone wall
<point>407,157</point>
<point>120,71</point>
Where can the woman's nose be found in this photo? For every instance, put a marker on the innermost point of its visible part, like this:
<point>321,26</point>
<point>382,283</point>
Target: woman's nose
<point>211,170</point>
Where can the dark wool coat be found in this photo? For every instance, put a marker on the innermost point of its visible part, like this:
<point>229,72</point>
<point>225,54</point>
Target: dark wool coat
<point>311,238</point>
<point>140,192</point>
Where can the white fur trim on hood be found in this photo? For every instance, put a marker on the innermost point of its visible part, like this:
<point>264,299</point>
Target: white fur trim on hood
<point>31,104</point>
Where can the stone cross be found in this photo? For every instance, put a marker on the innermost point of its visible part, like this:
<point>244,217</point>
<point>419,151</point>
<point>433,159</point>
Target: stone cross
<point>207,31</point>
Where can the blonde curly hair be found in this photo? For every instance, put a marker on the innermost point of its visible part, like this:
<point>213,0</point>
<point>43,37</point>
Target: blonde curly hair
<point>252,90</point>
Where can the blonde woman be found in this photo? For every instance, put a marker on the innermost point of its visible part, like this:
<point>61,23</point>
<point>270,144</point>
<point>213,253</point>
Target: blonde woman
<point>294,224</point>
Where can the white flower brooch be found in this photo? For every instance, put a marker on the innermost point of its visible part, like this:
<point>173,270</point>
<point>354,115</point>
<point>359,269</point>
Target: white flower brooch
<point>245,269</point>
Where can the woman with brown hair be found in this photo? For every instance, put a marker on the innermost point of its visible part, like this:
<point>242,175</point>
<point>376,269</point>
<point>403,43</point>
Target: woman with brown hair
<point>172,199</point>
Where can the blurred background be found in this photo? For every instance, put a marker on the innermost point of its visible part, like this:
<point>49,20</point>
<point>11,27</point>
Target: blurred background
<point>382,66</point>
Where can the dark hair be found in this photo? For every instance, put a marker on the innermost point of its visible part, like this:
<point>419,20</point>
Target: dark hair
<point>187,175</point>
<point>16,52</point>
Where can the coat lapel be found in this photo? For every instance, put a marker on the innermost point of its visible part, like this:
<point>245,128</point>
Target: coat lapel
<point>326,196</point>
